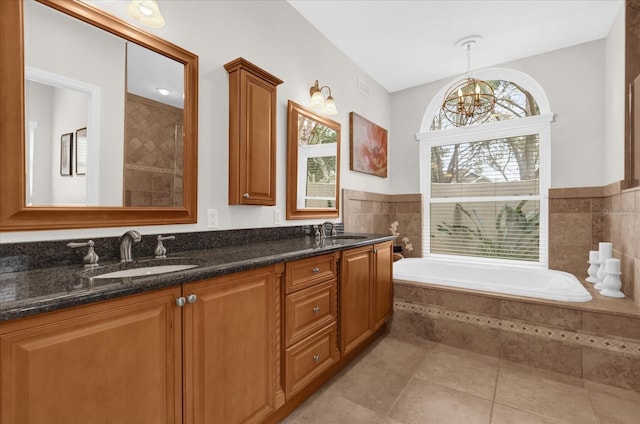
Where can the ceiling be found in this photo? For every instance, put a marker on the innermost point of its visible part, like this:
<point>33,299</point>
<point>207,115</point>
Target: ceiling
<point>404,43</point>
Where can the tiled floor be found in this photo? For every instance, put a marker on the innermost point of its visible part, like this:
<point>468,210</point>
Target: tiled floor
<point>394,382</point>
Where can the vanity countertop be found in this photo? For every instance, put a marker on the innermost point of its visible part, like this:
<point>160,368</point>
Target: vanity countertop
<point>36,291</point>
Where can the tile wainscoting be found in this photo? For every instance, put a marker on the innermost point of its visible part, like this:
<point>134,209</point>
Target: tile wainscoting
<point>374,213</point>
<point>580,218</point>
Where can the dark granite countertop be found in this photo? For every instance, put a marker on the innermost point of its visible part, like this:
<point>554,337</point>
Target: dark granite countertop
<point>36,291</point>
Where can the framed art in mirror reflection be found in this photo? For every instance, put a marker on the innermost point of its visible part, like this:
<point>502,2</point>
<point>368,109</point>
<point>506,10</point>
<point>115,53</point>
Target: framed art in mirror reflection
<point>66,154</point>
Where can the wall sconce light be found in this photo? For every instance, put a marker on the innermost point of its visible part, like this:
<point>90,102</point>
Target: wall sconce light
<point>146,12</point>
<point>324,105</point>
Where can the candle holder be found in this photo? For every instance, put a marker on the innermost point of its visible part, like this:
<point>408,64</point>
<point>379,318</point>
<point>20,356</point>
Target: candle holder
<point>605,252</point>
<point>594,266</point>
<point>612,283</point>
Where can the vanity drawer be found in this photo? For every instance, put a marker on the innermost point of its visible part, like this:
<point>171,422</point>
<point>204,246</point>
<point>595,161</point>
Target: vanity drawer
<point>307,272</point>
<point>309,310</point>
<point>308,359</point>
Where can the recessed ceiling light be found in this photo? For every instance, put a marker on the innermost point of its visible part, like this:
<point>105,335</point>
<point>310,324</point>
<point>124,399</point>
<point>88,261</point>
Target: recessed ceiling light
<point>163,91</point>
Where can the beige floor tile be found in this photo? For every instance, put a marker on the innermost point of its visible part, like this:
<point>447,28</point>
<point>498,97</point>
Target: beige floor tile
<point>459,369</point>
<point>425,402</point>
<point>331,409</point>
<point>503,414</point>
<point>614,405</point>
<point>543,393</point>
<point>377,380</point>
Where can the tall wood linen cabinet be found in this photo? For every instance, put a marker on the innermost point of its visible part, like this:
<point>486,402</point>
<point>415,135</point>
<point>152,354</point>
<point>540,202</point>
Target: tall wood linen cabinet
<point>252,134</point>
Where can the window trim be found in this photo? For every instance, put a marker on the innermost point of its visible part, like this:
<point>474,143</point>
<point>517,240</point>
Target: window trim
<point>304,154</point>
<point>538,124</point>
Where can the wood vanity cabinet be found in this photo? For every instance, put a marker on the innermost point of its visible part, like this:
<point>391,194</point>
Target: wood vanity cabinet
<point>382,283</point>
<point>311,312</point>
<point>228,349</point>
<point>252,134</point>
<point>366,293</point>
<point>232,347</point>
<point>117,361</point>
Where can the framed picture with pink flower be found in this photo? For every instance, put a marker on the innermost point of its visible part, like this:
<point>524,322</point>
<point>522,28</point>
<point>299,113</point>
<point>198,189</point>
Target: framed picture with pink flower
<point>368,146</point>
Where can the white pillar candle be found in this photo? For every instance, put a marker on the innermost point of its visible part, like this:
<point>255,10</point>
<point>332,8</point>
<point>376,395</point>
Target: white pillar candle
<point>594,256</point>
<point>606,250</point>
<point>612,266</point>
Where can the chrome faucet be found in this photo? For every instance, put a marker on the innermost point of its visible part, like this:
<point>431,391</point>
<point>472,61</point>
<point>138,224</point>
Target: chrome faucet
<point>126,240</point>
<point>323,232</point>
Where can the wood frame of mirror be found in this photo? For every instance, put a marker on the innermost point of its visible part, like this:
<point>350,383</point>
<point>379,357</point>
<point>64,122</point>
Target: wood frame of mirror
<point>294,111</point>
<point>14,214</point>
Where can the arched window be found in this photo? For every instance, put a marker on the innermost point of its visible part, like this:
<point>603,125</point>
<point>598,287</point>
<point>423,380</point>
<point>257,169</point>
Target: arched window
<point>485,187</point>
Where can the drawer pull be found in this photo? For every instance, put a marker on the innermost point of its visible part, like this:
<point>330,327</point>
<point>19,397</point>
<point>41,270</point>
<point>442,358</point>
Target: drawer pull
<point>316,270</point>
<point>316,310</point>
<point>316,358</point>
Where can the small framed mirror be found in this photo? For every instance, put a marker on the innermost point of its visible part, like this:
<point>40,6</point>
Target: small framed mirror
<point>313,164</point>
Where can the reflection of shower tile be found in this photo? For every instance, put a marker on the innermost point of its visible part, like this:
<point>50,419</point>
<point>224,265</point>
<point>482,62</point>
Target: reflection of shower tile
<point>137,180</point>
<point>162,183</point>
<point>140,198</point>
<point>162,199</point>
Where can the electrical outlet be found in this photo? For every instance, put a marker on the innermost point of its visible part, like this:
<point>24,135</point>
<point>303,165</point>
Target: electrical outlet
<point>212,218</point>
<point>277,217</point>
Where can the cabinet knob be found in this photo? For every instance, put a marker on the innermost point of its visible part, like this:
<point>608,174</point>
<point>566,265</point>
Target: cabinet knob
<point>246,195</point>
<point>181,301</point>
<point>316,358</point>
<point>375,251</point>
<point>316,310</point>
<point>192,298</point>
<point>315,270</point>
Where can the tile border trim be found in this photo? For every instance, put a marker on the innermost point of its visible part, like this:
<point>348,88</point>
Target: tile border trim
<point>623,346</point>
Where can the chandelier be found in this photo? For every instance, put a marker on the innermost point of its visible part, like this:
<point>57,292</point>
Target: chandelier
<point>469,101</point>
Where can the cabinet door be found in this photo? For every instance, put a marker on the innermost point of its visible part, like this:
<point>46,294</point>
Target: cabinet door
<point>355,298</point>
<point>114,362</point>
<point>232,330</point>
<point>382,283</point>
<point>257,141</point>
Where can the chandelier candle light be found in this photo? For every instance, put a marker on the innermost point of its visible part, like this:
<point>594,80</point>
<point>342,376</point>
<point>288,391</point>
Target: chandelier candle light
<point>469,101</point>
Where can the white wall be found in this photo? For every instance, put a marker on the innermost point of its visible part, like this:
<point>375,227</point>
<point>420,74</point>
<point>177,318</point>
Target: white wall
<point>39,110</point>
<point>574,81</point>
<point>615,91</point>
<point>274,36</point>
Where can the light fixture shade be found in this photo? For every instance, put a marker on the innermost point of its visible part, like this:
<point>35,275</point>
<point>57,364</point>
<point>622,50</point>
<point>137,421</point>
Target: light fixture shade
<point>330,107</point>
<point>146,12</point>
<point>317,99</point>
<point>468,102</point>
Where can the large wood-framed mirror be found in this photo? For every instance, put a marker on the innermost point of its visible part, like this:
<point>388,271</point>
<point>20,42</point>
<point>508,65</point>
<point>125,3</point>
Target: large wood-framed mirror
<point>105,198</point>
<point>313,164</point>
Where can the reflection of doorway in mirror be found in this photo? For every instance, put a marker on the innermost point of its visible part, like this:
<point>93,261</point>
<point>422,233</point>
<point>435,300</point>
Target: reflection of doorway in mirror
<point>56,105</point>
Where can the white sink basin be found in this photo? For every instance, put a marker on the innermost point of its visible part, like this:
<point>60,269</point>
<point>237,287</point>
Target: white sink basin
<point>147,270</point>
